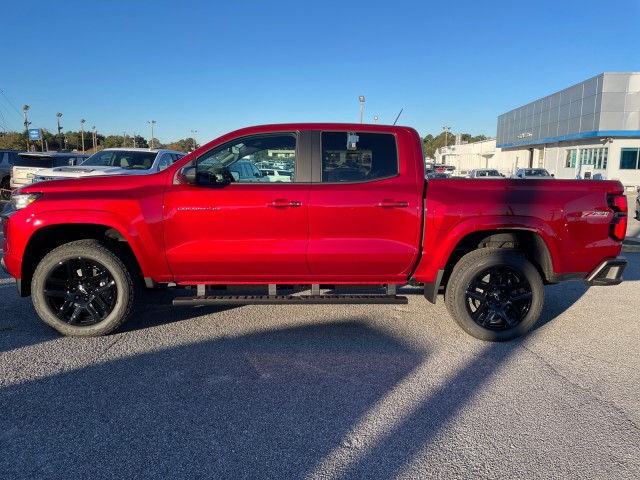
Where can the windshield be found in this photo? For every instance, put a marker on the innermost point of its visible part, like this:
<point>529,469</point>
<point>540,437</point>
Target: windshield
<point>537,173</point>
<point>124,159</point>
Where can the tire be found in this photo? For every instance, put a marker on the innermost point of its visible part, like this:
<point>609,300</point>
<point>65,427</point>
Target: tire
<point>82,289</point>
<point>495,294</point>
<point>5,190</point>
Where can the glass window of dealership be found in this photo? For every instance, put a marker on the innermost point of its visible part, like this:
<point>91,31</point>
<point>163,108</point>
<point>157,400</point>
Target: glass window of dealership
<point>592,127</point>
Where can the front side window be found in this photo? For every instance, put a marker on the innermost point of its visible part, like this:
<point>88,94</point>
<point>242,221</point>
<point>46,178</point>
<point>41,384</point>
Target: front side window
<point>241,159</point>
<point>358,157</point>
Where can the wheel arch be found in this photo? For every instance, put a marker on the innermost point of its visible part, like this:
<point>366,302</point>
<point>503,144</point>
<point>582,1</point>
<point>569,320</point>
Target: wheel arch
<point>530,244</point>
<point>527,242</point>
<point>49,237</point>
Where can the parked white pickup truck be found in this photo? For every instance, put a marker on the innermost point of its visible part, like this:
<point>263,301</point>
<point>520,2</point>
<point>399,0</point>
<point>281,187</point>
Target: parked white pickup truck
<point>115,161</point>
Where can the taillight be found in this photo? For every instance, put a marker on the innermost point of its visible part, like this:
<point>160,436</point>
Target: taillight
<point>618,203</point>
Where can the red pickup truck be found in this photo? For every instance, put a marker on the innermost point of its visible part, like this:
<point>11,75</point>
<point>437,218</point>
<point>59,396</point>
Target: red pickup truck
<point>358,211</point>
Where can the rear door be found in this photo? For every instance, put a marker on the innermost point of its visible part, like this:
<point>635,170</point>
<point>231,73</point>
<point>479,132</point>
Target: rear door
<point>227,230</point>
<point>365,210</point>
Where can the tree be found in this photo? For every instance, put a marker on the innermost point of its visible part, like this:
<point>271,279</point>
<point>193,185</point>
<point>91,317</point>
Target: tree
<point>431,143</point>
<point>183,145</point>
<point>13,141</point>
<point>140,142</point>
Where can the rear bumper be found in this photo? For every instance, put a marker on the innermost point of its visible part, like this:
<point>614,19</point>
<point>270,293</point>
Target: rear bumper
<point>608,272</point>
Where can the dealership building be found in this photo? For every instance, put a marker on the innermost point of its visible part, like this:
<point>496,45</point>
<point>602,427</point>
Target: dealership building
<point>587,129</point>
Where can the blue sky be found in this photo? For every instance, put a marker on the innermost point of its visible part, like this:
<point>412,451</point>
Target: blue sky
<point>214,67</point>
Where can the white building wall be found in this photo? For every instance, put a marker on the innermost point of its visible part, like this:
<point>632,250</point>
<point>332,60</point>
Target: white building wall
<point>551,156</point>
<point>483,154</point>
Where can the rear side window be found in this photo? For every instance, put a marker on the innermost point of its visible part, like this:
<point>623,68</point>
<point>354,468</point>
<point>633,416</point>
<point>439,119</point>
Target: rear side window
<point>34,161</point>
<point>358,157</point>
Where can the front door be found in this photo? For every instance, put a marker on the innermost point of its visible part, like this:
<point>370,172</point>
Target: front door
<point>239,228</point>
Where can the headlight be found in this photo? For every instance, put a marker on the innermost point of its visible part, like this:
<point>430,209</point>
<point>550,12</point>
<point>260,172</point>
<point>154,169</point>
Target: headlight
<point>22,200</point>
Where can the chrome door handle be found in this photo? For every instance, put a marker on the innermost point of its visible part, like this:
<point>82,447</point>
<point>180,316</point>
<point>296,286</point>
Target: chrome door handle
<point>392,204</point>
<point>283,203</point>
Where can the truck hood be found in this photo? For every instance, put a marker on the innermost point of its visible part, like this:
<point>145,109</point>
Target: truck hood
<point>89,171</point>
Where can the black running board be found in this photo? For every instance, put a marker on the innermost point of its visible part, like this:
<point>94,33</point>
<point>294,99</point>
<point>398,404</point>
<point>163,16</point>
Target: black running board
<point>290,299</point>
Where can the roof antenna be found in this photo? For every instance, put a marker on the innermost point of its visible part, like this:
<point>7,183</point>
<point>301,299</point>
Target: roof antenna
<point>398,115</point>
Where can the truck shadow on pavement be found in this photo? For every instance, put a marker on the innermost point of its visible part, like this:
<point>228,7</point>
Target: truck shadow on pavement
<point>303,402</point>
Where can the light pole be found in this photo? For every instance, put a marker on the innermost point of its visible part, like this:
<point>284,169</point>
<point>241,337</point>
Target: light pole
<point>94,138</point>
<point>26,123</point>
<point>82,132</point>
<point>361,98</point>
<point>193,137</point>
<point>375,119</point>
<point>446,131</point>
<point>58,115</point>
<point>152,123</point>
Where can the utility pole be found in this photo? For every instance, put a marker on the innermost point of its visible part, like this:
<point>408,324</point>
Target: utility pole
<point>60,142</point>
<point>26,123</point>
<point>152,123</point>
<point>82,132</point>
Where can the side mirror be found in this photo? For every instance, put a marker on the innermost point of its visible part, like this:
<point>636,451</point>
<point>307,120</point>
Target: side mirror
<point>187,175</point>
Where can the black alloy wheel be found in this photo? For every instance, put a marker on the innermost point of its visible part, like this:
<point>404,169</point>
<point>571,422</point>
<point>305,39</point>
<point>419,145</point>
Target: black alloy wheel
<point>498,298</point>
<point>495,294</point>
<point>81,292</point>
<point>82,288</point>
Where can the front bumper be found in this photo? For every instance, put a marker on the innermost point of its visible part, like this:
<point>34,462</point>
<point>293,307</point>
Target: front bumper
<point>608,272</point>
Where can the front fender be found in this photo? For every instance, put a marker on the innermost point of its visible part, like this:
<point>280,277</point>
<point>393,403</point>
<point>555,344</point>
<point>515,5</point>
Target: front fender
<point>144,237</point>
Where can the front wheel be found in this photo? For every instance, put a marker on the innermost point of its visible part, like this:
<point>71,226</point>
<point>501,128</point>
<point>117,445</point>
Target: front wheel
<point>82,289</point>
<point>495,294</point>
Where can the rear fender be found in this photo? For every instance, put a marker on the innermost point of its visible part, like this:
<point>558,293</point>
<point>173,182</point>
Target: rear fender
<point>439,245</point>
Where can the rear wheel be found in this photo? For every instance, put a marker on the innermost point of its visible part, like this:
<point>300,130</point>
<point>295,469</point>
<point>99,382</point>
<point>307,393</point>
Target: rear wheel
<point>82,289</point>
<point>495,294</point>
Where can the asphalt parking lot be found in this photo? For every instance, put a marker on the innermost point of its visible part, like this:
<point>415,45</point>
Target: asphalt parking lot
<point>325,392</point>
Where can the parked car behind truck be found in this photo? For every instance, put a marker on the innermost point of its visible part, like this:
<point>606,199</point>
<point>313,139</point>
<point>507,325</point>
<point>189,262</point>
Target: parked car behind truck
<point>115,161</point>
<point>535,173</point>
<point>358,211</point>
<point>7,159</point>
<point>29,164</point>
<point>485,173</point>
